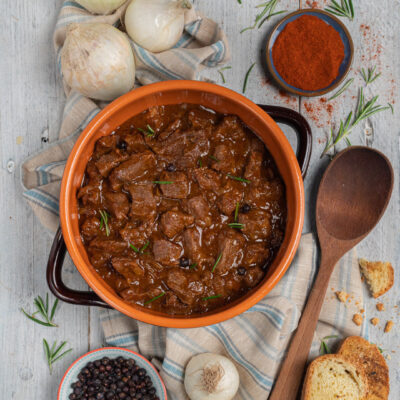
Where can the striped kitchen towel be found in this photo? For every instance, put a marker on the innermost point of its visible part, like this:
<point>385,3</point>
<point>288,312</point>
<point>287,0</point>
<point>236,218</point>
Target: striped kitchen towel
<point>203,44</point>
<point>256,340</point>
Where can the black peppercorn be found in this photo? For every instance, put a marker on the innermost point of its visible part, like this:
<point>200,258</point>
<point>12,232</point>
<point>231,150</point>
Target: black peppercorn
<point>241,271</point>
<point>170,168</point>
<point>121,144</point>
<point>245,209</point>
<point>184,262</point>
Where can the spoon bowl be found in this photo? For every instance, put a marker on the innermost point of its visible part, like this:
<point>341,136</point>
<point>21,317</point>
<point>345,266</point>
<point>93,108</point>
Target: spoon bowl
<point>353,195</point>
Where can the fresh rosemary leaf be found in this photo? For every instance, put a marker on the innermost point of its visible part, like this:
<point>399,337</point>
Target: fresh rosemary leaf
<point>162,182</point>
<point>237,211</point>
<point>370,75</point>
<point>216,262</point>
<point>104,221</point>
<point>149,131</point>
<point>324,348</point>
<point>342,89</point>
<point>135,249</point>
<point>220,71</point>
<point>199,162</point>
<point>42,308</point>
<point>344,9</point>
<point>154,298</point>
<point>193,266</point>
<point>53,354</point>
<point>213,158</point>
<point>266,13</point>
<point>246,78</point>
<point>144,247</point>
<point>236,225</point>
<point>239,1</point>
<point>391,107</point>
<point>238,178</point>
<point>217,296</point>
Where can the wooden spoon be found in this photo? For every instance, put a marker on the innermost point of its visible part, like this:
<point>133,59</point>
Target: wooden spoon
<point>352,197</point>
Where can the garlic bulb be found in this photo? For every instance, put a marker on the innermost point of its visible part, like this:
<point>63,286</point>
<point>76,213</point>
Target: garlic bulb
<point>97,61</point>
<point>211,376</point>
<point>155,25</point>
<point>101,6</point>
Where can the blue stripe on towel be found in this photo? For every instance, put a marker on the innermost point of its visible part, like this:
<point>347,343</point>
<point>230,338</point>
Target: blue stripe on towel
<point>42,199</point>
<point>173,369</point>
<point>180,338</point>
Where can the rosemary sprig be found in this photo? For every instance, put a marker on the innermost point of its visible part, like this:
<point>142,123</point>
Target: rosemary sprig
<point>213,158</point>
<point>43,309</point>
<point>216,262</point>
<point>149,131</point>
<point>217,296</point>
<point>246,78</point>
<point>264,15</point>
<point>237,211</point>
<point>324,348</point>
<point>163,182</point>
<point>238,178</point>
<point>342,89</point>
<point>104,221</point>
<point>154,298</point>
<point>370,75</point>
<point>236,225</point>
<point>239,1</point>
<point>200,162</point>
<point>193,266</point>
<point>344,9</point>
<point>220,71</point>
<point>137,250</point>
<point>53,353</point>
<point>364,110</point>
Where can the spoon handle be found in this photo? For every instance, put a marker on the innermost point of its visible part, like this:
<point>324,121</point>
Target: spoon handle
<point>291,374</point>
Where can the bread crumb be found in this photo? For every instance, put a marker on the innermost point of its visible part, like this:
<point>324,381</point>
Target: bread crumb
<point>389,326</point>
<point>362,311</point>
<point>342,296</point>
<point>374,321</point>
<point>388,357</point>
<point>379,276</point>
<point>380,307</point>
<point>357,319</point>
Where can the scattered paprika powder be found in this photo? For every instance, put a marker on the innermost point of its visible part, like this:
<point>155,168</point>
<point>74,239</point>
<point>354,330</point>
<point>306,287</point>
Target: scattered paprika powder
<point>308,53</point>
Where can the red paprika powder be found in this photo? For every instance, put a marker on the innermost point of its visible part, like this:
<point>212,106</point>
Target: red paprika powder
<point>308,53</point>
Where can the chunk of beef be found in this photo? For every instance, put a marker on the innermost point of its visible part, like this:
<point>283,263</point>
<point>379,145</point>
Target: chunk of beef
<point>256,144</point>
<point>232,127</point>
<point>106,144</point>
<point>254,167</point>
<point>173,222</point>
<point>140,166</point>
<point>253,276</point>
<point>193,246</point>
<point>166,252</point>
<point>110,246</point>
<point>128,268</point>
<point>262,195</point>
<point>170,129</point>
<point>143,200</point>
<point>232,194</point>
<point>200,209</point>
<point>90,195</point>
<point>138,293</point>
<point>201,117</point>
<point>90,228</point>
<point>256,254</point>
<point>178,189</point>
<point>186,290</point>
<point>230,247</point>
<point>117,204</point>
<point>208,179</point>
<point>137,233</point>
<point>256,224</point>
<point>135,143</point>
<point>155,117</point>
<point>107,162</point>
<point>226,159</point>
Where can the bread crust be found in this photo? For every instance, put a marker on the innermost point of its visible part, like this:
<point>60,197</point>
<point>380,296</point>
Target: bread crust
<point>370,269</point>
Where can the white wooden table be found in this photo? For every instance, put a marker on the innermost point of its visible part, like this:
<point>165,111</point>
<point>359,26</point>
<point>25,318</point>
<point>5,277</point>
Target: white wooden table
<point>31,103</point>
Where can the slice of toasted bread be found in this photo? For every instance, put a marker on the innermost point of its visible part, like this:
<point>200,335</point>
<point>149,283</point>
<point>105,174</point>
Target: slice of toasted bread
<point>333,377</point>
<point>368,356</point>
<point>379,276</point>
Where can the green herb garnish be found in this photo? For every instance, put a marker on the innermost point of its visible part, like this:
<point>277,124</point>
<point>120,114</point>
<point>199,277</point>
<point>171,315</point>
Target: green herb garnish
<point>344,9</point>
<point>220,71</point>
<point>216,262</point>
<point>213,158</point>
<point>340,91</point>
<point>324,348</point>
<point>194,265</point>
<point>53,353</point>
<point>237,211</point>
<point>154,298</point>
<point>162,182</point>
<point>370,75</point>
<point>364,110</point>
<point>43,309</point>
<point>104,221</point>
<point>246,78</point>
<point>217,296</point>
<point>236,225</point>
<point>264,15</point>
<point>144,247</point>
<point>238,178</point>
<point>137,250</point>
<point>149,131</point>
<point>199,162</point>
<point>239,1</point>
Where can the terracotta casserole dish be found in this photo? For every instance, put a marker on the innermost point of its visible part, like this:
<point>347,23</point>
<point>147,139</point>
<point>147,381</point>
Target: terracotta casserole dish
<point>210,96</point>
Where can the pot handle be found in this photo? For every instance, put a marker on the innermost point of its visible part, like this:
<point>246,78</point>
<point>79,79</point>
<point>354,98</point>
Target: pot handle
<point>302,128</point>
<point>56,284</point>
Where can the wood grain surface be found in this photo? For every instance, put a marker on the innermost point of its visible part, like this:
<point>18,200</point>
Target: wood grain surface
<point>31,105</point>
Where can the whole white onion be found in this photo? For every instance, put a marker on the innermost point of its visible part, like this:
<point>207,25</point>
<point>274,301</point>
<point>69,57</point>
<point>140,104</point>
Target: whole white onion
<point>97,61</point>
<point>156,25</point>
<point>211,376</point>
<point>101,6</point>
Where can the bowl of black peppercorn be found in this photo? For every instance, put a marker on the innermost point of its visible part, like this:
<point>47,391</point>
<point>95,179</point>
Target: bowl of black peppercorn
<point>112,373</point>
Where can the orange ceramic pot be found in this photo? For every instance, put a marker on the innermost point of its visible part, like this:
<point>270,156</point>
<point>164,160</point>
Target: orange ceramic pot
<point>211,96</point>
